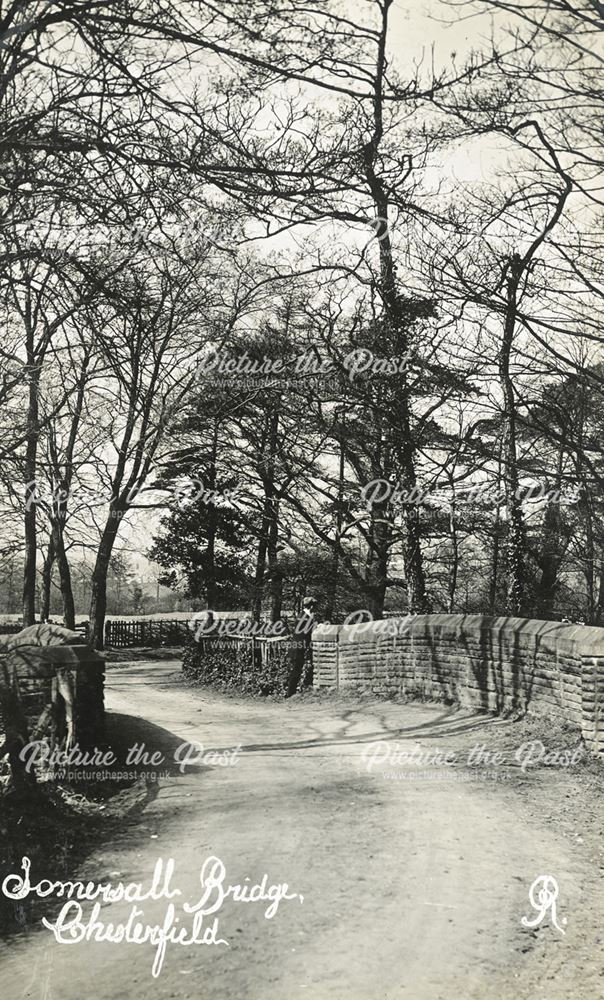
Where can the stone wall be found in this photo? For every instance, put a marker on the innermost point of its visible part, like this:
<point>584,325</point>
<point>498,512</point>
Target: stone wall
<point>33,671</point>
<point>493,664</point>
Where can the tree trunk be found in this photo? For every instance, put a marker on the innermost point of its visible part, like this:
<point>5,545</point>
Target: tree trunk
<point>30,471</point>
<point>552,555</point>
<point>257,586</point>
<point>47,580</point>
<point>600,607</point>
<point>515,534</point>
<point>210,553</point>
<point>417,598</point>
<point>495,565</point>
<point>376,566</point>
<point>210,564</point>
<point>395,330</point>
<point>331,594</point>
<point>589,565</point>
<point>496,545</point>
<point>453,573</point>
<point>64,576</point>
<point>270,523</point>
<point>98,600</point>
<point>274,570</point>
<point>375,602</point>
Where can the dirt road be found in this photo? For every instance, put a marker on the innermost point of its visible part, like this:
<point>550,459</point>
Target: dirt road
<point>412,887</point>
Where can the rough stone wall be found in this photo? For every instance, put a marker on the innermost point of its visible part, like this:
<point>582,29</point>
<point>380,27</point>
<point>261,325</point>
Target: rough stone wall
<point>493,664</point>
<point>33,669</point>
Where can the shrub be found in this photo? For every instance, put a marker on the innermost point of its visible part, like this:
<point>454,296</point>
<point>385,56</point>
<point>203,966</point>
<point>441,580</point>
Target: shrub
<point>232,666</point>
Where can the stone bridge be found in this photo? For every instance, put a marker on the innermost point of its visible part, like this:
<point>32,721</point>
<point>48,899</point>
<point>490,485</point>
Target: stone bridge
<point>495,664</point>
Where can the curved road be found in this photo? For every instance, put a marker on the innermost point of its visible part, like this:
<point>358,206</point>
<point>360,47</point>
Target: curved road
<point>412,887</point>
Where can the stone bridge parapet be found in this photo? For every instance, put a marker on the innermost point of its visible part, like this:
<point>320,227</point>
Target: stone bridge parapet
<point>495,664</point>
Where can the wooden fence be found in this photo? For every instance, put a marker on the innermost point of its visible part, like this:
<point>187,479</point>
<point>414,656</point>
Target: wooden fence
<point>171,632</point>
<point>10,628</point>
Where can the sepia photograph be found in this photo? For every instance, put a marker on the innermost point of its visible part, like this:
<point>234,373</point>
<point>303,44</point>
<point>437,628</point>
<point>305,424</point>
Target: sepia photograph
<point>301,499</point>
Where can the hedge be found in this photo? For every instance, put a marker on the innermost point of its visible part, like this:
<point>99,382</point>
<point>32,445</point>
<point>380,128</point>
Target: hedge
<point>228,664</point>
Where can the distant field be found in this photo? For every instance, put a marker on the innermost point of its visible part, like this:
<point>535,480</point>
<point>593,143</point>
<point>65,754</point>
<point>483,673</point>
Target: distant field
<point>158,616</point>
